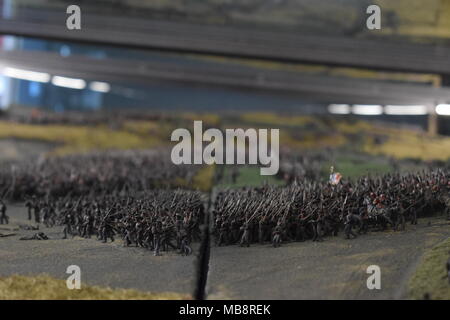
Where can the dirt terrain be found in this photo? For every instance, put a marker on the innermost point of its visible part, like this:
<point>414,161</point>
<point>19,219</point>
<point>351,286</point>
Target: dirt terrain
<point>332,269</point>
<point>101,264</point>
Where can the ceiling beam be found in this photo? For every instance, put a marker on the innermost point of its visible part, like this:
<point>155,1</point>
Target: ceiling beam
<point>325,89</point>
<point>233,41</point>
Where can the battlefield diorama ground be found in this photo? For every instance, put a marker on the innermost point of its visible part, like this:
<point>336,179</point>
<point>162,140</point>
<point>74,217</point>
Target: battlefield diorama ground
<point>332,269</point>
<point>106,265</point>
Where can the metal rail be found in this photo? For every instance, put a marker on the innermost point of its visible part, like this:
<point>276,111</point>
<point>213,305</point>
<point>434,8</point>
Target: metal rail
<point>233,41</point>
<point>319,88</point>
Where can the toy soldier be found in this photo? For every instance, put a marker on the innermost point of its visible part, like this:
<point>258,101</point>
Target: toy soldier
<point>29,205</point>
<point>51,216</point>
<point>138,227</point>
<point>148,236</point>
<point>245,239</point>
<point>413,214</point>
<point>107,229</point>
<point>87,225</point>
<point>401,220</point>
<point>448,269</point>
<point>446,202</point>
<point>300,234</point>
<point>234,231</point>
<point>37,209</point>
<point>165,237</point>
<point>276,235</point>
<point>156,231</point>
<point>4,219</point>
<point>128,239</point>
<point>67,225</point>
<point>350,220</point>
<point>185,247</point>
<point>262,230</point>
<point>178,229</point>
<point>317,226</point>
<point>45,214</point>
<point>223,232</point>
<point>363,219</point>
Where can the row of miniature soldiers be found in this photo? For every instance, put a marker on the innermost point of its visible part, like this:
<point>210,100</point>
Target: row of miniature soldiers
<point>135,229</point>
<point>44,212</point>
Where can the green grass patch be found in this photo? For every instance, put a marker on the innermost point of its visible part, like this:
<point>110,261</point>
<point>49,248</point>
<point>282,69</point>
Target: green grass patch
<point>248,176</point>
<point>44,287</point>
<point>355,167</point>
<point>430,276</point>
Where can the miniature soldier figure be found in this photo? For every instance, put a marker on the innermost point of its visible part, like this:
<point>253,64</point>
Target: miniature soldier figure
<point>261,230</point>
<point>139,234</point>
<point>37,209</point>
<point>223,232</point>
<point>45,214</point>
<point>29,205</point>
<point>234,232</point>
<point>128,239</point>
<point>148,238</point>
<point>245,239</point>
<point>87,225</point>
<point>4,219</point>
<point>106,229</point>
<point>156,231</point>
<point>317,228</point>
<point>401,220</point>
<point>67,225</point>
<point>350,220</point>
<point>276,235</point>
<point>363,218</point>
<point>448,269</point>
<point>413,215</point>
<point>446,201</point>
<point>300,232</point>
<point>185,247</point>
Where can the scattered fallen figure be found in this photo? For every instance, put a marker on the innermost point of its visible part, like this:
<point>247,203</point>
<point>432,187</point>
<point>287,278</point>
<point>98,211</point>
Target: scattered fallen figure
<point>36,236</point>
<point>28,227</point>
<point>7,235</point>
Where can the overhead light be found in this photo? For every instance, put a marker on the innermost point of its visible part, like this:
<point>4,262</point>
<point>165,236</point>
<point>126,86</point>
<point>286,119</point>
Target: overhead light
<point>443,109</point>
<point>26,75</point>
<point>406,110</point>
<point>100,86</point>
<point>367,110</point>
<point>339,108</point>
<point>2,85</point>
<point>71,83</point>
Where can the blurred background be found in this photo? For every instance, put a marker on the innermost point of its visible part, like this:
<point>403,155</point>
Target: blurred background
<point>88,114</point>
<point>310,67</point>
